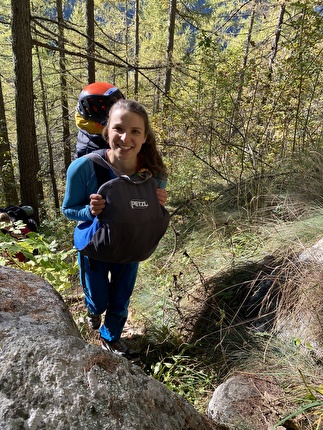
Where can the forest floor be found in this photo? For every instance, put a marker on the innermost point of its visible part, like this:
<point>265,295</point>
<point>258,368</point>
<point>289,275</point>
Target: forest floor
<point>213,301</point>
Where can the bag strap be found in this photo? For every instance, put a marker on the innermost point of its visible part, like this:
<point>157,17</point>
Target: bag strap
<point>102,174</point>
<point>98,159</point>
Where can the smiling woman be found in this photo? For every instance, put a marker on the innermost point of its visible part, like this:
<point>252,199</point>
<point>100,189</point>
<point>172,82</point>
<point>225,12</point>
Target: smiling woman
<point>126,134</point>
<point>131,112</point>
<point>108,286</point>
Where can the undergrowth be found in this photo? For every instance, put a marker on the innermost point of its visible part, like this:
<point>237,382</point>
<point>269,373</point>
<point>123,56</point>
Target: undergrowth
<point>206,293</point>
<point>196,301</point>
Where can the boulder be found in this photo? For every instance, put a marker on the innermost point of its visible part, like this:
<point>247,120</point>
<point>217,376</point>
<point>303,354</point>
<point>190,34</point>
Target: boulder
<point>50,378</point>
<point>313,254</point>
<point>246,401</point>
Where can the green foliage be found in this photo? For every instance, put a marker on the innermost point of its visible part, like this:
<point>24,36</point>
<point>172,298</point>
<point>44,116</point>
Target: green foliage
<point>52,264</point>
<point>45,257</point>
<point>313,406</point>
<point>312,401</point>
<point>230,116</point>
<point>186,376</point>
<point>242,142</point>
<point>184,273</point>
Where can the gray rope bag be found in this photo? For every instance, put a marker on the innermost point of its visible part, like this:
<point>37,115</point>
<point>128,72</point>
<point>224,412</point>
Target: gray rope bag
<point>132,222</point>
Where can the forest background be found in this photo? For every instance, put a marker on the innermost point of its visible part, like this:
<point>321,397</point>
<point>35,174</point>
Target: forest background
<point>234,92</point>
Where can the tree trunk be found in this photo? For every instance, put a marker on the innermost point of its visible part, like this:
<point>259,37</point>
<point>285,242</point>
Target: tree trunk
<point>31,191</point>
<point>236,109</point>
<point>48,140</point>
<point>7,173</point>
<point>235,123</point>
<point>126,12</point>
<point>274,47</point>
<point>64,91</point>
<point>90,40</point>
<point>170,46</point>
<point>136,49</point>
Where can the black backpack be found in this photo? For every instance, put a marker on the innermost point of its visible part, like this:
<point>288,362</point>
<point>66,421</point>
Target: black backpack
<point>87,142</point>
<point>132,223</point>
<point>22,213</point>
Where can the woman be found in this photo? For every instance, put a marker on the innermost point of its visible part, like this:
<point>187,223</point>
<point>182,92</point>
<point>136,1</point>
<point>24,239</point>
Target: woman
<point>108,286</point>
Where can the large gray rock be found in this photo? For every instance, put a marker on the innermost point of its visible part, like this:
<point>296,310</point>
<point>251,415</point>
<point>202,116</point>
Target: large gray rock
<point>51,379</point>
<point>246,401</point>
<point>313,254</point>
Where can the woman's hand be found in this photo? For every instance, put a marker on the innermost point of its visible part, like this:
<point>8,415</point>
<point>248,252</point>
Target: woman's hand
<point>97,203</point>
<point>162,196</point>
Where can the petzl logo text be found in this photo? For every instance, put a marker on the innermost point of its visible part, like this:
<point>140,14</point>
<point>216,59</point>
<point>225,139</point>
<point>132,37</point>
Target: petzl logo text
<point>139,204</point>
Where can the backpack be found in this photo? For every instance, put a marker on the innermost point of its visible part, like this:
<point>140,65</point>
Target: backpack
<point>22,213</point>
<point>131,224</point>
<point>87,142</point>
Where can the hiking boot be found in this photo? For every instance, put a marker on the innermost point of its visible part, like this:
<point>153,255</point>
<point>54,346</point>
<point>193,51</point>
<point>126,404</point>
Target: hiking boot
<point>116,346</point>
<point>94,320</point>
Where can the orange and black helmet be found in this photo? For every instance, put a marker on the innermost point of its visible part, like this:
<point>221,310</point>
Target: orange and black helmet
<point>96,99</point>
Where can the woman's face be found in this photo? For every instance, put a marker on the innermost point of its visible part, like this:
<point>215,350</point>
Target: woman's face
<point>126,133</point>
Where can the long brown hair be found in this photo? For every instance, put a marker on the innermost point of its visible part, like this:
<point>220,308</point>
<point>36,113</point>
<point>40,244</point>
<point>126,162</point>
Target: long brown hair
<point>149,156</point>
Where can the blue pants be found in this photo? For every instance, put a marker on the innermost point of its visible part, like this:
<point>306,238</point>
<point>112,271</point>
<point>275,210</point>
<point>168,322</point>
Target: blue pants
<point>108,287</point>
